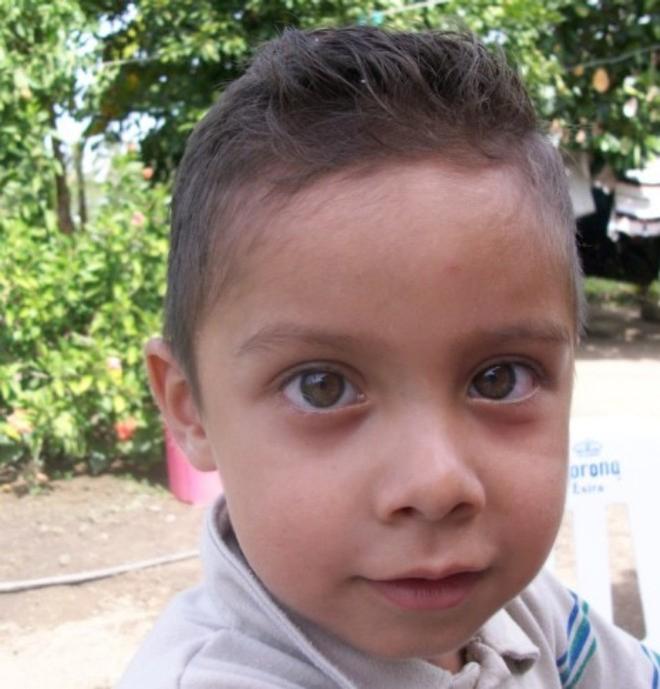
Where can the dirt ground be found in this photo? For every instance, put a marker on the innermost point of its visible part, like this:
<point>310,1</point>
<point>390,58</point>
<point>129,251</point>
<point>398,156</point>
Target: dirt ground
<point>81,636</point>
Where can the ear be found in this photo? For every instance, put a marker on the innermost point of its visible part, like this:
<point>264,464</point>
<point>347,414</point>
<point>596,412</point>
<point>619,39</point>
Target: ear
<point>174,396</point>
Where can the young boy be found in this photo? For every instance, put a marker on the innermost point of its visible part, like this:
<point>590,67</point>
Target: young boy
<point>373,307</point>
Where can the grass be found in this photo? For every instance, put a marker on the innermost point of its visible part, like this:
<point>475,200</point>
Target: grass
<point>605,291</point>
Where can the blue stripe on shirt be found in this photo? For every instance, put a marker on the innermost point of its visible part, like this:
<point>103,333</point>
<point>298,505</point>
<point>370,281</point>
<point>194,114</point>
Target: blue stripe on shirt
<point>655,662</point>
<point>581,645</point>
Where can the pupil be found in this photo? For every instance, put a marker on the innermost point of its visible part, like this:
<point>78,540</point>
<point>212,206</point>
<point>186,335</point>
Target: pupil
<point>496,382</point>
<point>322,388</point>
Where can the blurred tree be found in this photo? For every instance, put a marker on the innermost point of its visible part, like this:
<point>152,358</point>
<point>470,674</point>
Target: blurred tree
<point>42,50</point>
<point>606,97</point>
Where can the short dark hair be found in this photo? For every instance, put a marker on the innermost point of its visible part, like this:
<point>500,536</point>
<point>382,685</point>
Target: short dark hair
<point>312,103</point>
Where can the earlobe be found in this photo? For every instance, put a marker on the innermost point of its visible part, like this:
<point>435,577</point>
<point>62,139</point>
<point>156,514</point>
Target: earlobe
<point>174,396</point>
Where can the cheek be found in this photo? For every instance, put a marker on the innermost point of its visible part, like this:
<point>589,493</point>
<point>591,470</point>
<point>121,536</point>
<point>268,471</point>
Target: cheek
<point>299,547</point>
<point>291,512</point>
<point>529,481</point>
<point>292,477</point>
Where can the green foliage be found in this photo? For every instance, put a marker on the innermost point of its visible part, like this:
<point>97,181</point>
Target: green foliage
<point>605,291</point>
<point>75,311</point>
<point>41,51</point>
<point>606,98</point>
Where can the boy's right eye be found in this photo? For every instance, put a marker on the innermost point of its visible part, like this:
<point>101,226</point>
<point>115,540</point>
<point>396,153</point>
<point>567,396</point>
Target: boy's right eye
<point>320,390</point>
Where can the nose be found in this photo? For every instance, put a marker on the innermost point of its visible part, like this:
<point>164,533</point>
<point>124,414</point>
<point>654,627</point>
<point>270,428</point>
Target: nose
<point>430,473</point>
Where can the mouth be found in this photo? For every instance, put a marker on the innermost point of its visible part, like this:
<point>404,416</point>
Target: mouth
<point>428,592</point>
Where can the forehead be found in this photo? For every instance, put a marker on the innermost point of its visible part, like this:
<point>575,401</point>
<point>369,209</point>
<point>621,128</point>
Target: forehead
<point>340,211</point>
<point>356,244</point>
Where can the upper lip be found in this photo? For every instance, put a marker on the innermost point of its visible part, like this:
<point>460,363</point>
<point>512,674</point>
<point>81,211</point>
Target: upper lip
<point>432,574</point>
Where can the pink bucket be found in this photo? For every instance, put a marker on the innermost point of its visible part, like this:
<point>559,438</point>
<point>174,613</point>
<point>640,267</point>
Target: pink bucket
<point>187,483</point>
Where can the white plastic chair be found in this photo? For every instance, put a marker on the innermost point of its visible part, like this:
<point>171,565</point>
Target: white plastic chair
<point>616,460</point>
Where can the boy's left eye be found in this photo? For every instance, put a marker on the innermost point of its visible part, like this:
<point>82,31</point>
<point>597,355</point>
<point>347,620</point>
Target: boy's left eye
<point>320,390</point>
<point>504,382</point>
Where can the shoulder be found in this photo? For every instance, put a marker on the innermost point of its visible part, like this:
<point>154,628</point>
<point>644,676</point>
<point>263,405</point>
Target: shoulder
<point>192,647</point>
<point>181,632</point>
<point>198,644</point>
<point>588,651</point>
<point>227,632</point>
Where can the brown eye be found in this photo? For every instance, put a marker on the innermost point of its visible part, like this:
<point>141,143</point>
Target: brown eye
<point>322,388</point>
<point>507,382</point>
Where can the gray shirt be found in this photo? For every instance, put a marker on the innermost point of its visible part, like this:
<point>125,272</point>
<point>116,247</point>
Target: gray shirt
<point>229,633</point>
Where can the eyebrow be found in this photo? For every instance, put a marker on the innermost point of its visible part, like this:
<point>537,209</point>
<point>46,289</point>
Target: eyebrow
<point>546,331</point>
<point>279,334</point>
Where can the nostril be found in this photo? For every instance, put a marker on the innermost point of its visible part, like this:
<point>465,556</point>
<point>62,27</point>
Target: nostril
<point>460,512</point>
<point>464,510</point>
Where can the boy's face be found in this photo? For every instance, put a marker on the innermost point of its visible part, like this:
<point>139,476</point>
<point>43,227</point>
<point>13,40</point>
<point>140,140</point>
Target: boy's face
<point>385,389</point>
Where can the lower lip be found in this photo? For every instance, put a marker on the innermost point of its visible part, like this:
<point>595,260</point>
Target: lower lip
<point>428,594</point>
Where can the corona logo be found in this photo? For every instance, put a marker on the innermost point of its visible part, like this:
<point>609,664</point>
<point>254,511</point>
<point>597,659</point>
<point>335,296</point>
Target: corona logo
<point>587,448</point>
